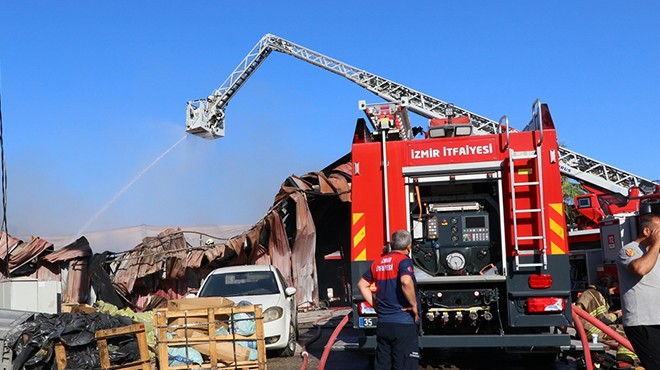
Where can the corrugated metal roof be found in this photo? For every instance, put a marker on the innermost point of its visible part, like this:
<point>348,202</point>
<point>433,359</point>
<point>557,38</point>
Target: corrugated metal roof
<point>20,253</point>
<point>126,238</point>
<point>163,261</point>
<point>78,249</point>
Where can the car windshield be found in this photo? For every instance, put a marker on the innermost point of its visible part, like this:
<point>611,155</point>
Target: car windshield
<point>234,284</point>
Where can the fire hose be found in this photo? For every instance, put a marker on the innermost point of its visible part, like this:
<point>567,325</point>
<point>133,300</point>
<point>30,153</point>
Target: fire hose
<point>577,313</point>
<point>303,353</point>
<point>583,338</point>
<point>331,341</point>
<point>606,329</point>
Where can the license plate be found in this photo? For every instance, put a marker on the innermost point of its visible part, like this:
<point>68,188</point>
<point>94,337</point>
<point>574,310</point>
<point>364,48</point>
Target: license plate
<point>368,322</point>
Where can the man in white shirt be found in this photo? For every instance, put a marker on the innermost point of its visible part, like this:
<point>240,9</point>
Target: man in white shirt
<point>639,282</point>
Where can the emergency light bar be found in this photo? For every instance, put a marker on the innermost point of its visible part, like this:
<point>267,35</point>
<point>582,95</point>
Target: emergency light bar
<point>449,130</point>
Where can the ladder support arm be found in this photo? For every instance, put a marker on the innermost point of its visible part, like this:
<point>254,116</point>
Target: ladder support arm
<point>205,117</point>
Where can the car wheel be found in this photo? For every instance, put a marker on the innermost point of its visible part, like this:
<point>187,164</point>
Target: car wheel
<point>290,348</point>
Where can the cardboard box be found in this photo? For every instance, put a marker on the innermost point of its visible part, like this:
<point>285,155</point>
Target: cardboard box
<point>224,350</point>
<point>198,303</point>
<point>195,325</point>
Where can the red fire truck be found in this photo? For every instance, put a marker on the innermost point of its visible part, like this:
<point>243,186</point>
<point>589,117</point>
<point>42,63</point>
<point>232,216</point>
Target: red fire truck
<point>483,202</point>
<point>486,216</point>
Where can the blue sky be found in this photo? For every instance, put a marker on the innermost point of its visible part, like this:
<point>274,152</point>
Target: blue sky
<point>93,92</point>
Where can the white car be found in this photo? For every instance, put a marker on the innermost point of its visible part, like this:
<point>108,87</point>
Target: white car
<point>264,285</point>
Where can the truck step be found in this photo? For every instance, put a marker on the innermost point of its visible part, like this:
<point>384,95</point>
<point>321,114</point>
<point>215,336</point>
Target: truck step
<point>536,264</point>
<point>529,252</point>
<point>529,183</point>
<point>523,155</point>
<point>531,210</point>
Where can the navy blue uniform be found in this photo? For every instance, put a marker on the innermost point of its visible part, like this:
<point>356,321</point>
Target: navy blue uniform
<point>396,333</point>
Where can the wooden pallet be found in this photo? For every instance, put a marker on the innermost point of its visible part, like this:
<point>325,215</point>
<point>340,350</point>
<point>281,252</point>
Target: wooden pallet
<point>144,363</point>
<point>196,329</point>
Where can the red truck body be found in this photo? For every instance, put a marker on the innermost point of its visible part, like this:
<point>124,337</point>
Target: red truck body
<point>489,234</point>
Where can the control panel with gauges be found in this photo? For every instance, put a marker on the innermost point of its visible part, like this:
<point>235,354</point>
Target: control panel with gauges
<point>456,240</point>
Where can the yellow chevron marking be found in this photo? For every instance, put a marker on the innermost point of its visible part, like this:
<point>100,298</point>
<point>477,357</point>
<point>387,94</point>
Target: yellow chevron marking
<point>558,207</point>
<point>556,228</point>
<point>554,249</point>
<point>362,256</point>
<point>358,221</point>
<point>359,236</point>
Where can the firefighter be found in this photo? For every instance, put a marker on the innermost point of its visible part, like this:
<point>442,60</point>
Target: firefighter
<point>595,300</point>
<point>396,304</point>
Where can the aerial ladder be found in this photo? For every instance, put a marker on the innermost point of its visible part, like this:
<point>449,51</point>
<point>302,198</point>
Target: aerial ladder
<point>206,117</point>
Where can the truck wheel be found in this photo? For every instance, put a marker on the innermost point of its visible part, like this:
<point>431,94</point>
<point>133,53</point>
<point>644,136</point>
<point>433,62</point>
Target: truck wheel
<point>290,348</point>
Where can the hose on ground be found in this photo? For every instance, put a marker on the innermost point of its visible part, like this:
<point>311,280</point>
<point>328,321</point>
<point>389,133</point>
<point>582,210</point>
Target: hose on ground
<point>583,338</point>
<point>604,328</point>
<point>305,357</point>
<point>331,341</point>
<point>303,353</point>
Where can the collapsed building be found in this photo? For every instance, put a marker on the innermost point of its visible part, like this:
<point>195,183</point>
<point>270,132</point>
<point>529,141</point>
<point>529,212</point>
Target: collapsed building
<point>305,234</point>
